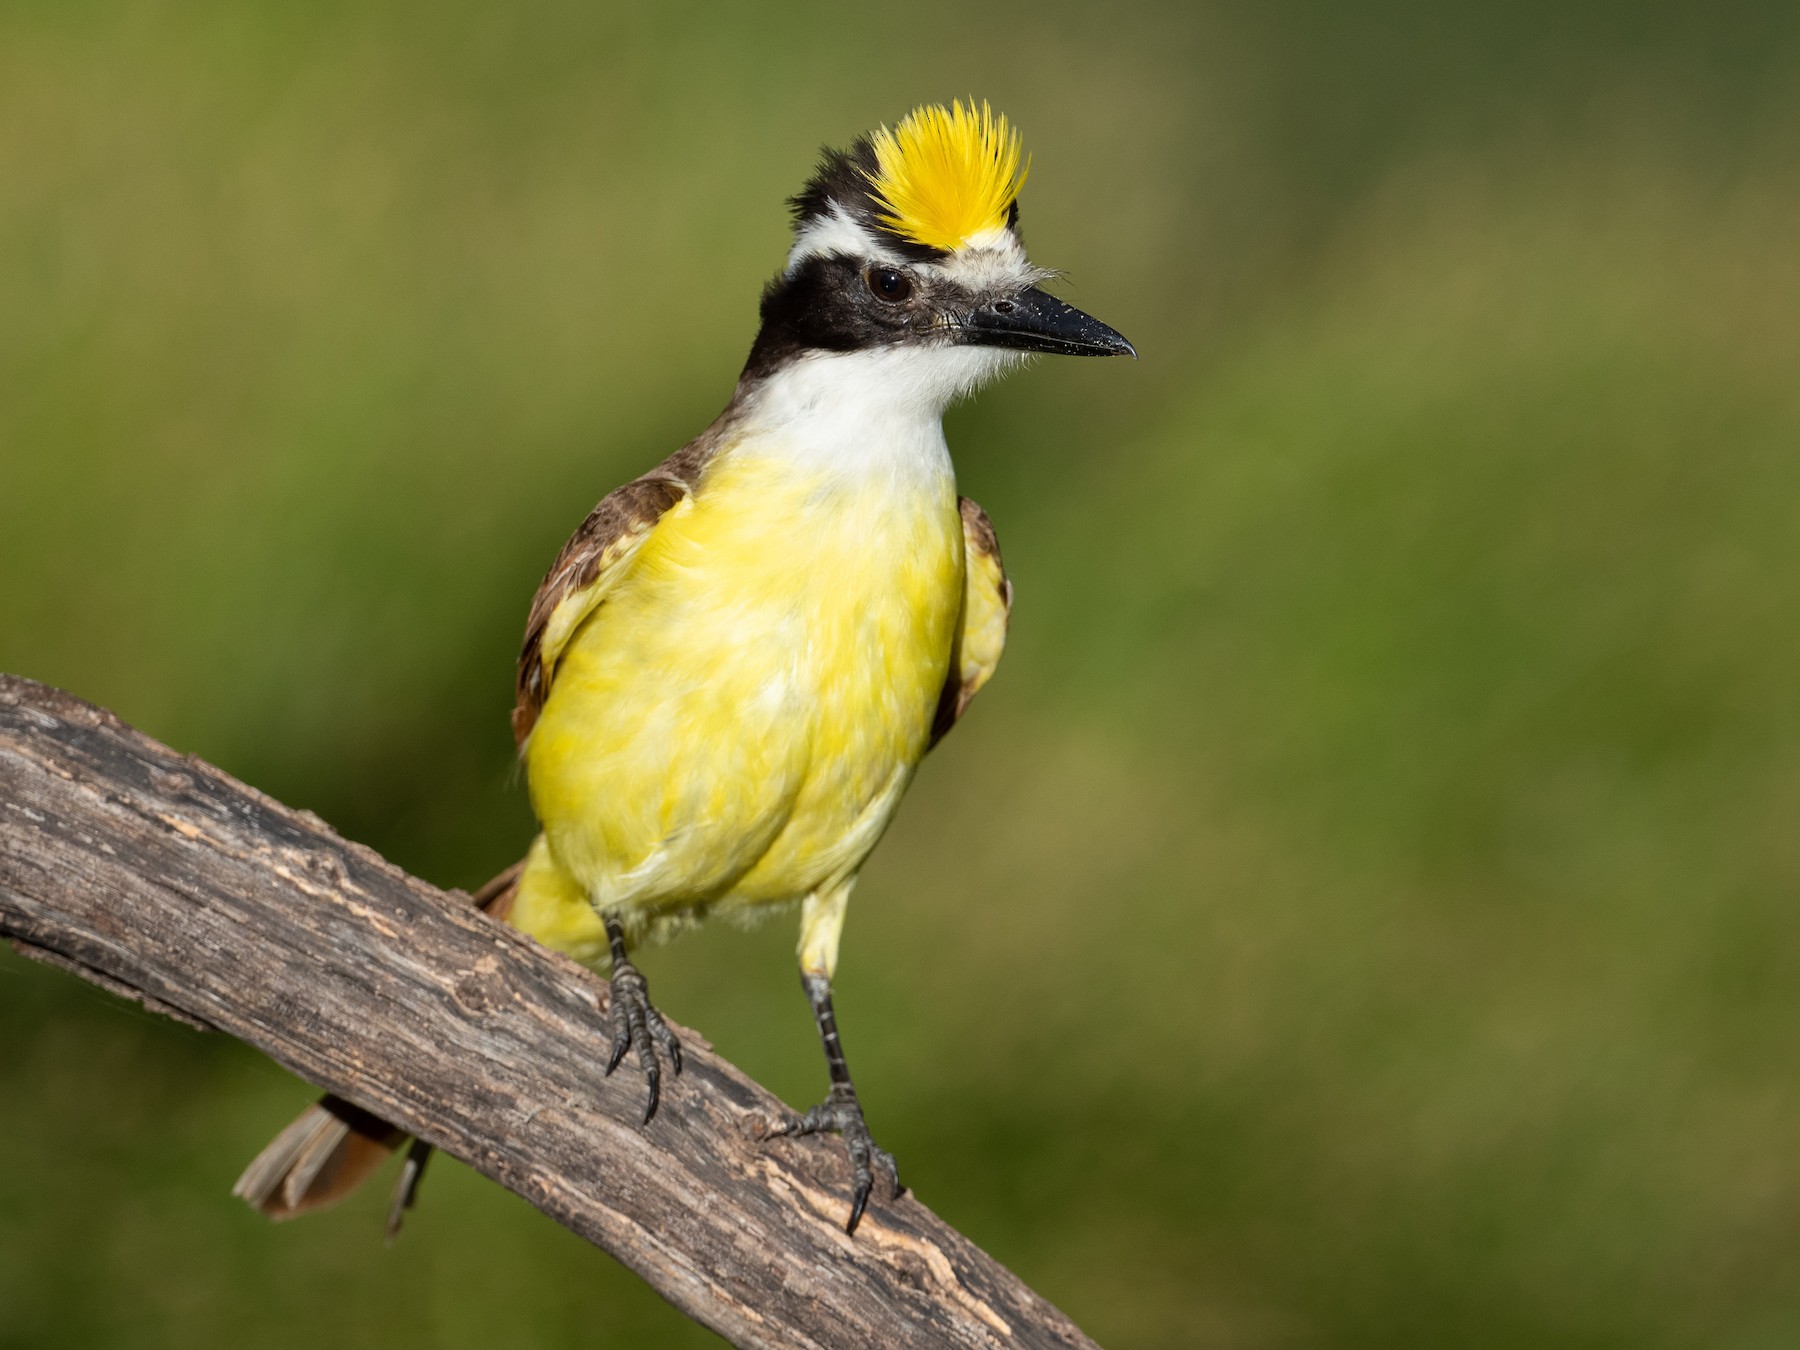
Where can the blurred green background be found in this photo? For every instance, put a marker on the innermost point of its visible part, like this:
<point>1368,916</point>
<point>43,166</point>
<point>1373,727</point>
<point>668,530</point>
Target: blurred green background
<point>1363,910</point>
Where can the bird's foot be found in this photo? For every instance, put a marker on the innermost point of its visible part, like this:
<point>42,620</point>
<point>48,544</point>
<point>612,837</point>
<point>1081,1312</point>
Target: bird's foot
<point>636,1025</point>
<point>841,1114</point>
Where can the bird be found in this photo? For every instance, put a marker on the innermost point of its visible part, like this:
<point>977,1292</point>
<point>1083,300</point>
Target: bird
<point>734,667</point>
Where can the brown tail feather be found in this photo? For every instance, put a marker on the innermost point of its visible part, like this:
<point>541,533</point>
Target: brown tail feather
<point>496,898</point>
<point>324,1155</point>
<point>333,1146</point>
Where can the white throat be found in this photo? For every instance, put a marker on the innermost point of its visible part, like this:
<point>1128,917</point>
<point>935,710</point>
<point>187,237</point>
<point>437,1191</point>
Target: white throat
<point>867,412</point>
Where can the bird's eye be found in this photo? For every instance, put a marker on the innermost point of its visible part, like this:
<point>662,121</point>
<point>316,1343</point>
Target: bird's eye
<point>889,284</point>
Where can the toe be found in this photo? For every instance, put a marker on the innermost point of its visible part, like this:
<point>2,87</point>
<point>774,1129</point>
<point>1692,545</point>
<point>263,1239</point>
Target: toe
<point>889,1168</point>
<point>666,1040</point>
<point>857,1141</point>
<point>791,1127</point>
<point>647,1061</point>
<point>841,1115</point>
<point>810,1123</point>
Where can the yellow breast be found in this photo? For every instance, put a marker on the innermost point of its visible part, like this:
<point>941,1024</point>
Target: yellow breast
<point>737,720</point>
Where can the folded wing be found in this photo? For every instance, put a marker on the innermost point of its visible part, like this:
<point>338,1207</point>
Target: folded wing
<point>987,609</point>
<point>588,567</point>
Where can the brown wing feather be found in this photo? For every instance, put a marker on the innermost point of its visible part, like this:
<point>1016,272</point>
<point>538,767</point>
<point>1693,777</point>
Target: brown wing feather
<point>612,528</point>
<point>987,609</point>
<point>622,519</point>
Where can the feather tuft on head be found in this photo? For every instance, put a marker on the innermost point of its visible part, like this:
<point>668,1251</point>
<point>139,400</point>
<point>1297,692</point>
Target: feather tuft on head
<point>947,177</point>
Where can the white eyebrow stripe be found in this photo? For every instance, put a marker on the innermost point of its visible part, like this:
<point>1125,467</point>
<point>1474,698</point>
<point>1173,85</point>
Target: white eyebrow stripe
<point>837,233</point>
<point>996,265</point>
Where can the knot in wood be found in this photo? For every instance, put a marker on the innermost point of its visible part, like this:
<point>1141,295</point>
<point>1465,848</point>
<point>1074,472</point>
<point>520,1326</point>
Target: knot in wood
<point>323,866</point>
<point>481,990</point>
<point>175,784</point>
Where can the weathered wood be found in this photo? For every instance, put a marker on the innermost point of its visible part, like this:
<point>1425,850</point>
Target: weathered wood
<point>161,877</point>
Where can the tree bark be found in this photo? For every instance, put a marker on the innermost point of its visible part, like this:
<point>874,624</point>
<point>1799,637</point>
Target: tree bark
<point>163,879</point>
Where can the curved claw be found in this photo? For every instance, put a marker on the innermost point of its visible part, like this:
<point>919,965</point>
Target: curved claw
<point>841,1114</point>
<point>860,1201</point>
<point>653,1081</point>
<point>866,1156</point>
<point>638,1027</point>
<point>621,1042</point>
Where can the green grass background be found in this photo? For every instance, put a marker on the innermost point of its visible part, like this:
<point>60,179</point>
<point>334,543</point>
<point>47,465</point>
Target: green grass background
<point>1364,911</point>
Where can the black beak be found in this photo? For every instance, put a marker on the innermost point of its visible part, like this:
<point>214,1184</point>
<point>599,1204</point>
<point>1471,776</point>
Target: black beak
<point>1033,321</point>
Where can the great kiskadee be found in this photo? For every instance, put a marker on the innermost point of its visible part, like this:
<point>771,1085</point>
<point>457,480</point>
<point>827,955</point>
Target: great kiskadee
<point>734,667</point>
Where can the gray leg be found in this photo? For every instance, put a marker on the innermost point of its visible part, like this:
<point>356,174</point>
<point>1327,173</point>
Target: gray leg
<point>841,1113</point>
<point>406,1189</point>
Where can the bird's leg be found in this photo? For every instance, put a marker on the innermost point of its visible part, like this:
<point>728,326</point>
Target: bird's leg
<point>635,1024</point>
<point>841,1113</point>
<point>406,1189</point>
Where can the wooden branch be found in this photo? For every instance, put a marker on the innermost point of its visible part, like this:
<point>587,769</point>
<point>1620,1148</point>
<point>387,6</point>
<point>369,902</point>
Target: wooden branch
<point>159,877</point>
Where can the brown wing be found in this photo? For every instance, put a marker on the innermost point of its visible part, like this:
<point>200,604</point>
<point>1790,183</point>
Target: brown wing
<point>580,577</point>
<point>987,609</point>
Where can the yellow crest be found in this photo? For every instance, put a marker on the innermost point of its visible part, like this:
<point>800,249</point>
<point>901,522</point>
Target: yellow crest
<point>946,176</point>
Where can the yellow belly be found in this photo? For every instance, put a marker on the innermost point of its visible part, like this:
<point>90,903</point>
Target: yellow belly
<point>736,722</point>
